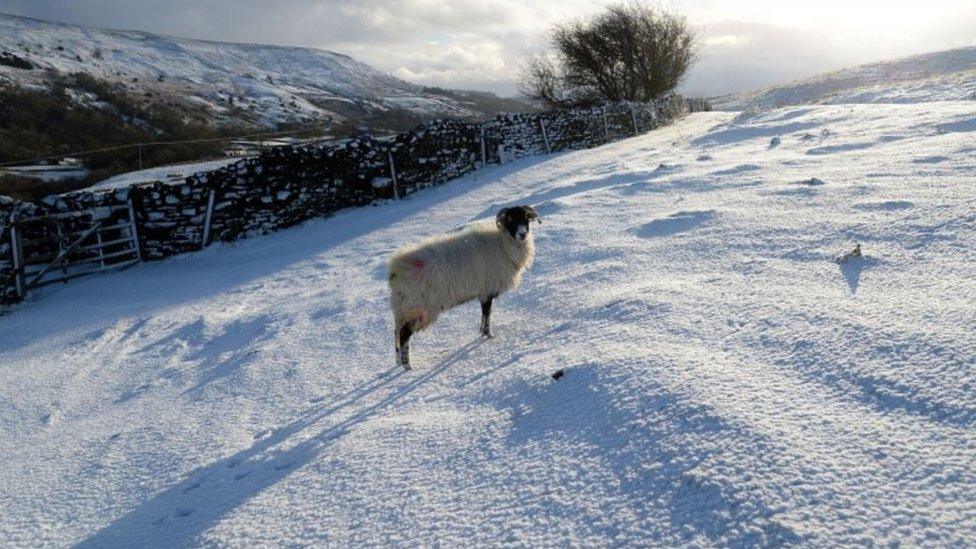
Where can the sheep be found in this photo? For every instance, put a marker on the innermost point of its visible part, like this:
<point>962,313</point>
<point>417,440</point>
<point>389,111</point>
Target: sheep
<point>481,262</point>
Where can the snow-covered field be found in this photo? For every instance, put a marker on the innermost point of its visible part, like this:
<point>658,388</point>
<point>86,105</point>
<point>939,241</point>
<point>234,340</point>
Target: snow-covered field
<point>169,173</point>
<point>726,381</point>
<point>46,173</point>
<point>948,75</point>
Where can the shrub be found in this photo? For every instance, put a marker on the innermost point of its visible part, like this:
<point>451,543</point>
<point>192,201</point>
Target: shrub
<point>627,52</point>
<point>40,123</point>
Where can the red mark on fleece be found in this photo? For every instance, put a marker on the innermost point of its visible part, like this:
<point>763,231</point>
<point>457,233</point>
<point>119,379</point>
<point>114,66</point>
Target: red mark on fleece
<point>416,267</point>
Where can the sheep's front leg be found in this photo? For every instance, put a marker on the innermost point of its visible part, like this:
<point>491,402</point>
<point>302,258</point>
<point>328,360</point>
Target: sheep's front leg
<point>403,346</point>
<point>486,316</point>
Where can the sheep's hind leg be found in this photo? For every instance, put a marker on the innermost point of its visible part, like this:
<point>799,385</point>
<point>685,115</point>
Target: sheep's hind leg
<point>403,346</point>
<point>486,317</point>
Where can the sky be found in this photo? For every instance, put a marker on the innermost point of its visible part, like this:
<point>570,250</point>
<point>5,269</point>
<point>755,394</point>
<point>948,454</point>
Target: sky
<point>479,44</point>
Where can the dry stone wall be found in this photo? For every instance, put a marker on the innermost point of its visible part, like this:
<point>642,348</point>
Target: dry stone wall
<point>287,185</point>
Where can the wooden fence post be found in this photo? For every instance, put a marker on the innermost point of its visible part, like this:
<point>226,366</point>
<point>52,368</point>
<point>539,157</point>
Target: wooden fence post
<point>393,174</point>
<point>484,156</point>
<point>545,136</point>
<point>18,255</point>
<point>206,221</point>
<point>101,250</point>
<point>633,117</point>
<point>135,229</point>
<point>62,240</point>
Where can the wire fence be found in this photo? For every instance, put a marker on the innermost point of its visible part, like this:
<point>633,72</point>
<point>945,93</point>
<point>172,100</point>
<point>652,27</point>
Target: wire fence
<point>139,146</point>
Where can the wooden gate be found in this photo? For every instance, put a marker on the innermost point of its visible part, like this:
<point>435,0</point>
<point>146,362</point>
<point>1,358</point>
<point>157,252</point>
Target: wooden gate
<point>58,247</point>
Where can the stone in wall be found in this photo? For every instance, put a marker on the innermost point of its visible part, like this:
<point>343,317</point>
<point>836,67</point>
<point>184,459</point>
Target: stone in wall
<point>435,152</point>
<point>170,216</point>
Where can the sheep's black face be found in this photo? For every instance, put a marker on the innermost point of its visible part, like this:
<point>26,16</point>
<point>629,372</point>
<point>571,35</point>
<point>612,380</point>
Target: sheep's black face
<point>515,221</point>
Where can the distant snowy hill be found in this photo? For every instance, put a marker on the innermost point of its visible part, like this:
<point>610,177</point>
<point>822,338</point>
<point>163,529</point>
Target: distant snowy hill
<point>250,83</point>
<point>941,76</point>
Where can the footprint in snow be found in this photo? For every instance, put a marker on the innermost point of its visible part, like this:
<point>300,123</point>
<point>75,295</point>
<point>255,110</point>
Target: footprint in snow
<point>333,310</point>
<point>674,224</point>
<point>930,160</point>
<point>806,187</point>
<point>742,168</point>
<point>133,393</point>
<point>663,169</point>
<point>888,205</point>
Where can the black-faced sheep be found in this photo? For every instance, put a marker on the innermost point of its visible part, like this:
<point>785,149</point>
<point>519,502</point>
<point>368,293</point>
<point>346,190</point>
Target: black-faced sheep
<point>481,262</point>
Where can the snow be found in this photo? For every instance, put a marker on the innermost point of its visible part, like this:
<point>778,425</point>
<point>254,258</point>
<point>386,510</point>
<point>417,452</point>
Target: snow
<point>46,172</point>
<point>939,76</point>
<point>169,173</point>
<point>726,381</point>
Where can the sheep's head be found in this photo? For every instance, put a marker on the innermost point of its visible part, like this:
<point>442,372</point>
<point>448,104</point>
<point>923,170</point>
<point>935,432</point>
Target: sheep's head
<point>515,221</point>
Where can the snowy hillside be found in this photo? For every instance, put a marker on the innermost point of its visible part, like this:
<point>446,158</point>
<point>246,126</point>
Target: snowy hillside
<point>941,76</point>
<point>256,83</point>
<point>727,382</point>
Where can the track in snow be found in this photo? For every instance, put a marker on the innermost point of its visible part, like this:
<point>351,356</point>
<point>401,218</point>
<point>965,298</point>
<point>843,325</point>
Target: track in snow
<point>727,383</point>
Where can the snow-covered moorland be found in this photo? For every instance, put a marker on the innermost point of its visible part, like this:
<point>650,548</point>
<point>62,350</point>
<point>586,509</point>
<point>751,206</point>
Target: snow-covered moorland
<point>727,382</point>
<point>253,83</point>
<point>948,75</point>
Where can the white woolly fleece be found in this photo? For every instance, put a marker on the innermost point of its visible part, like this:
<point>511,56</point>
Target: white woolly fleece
<point>447,270</point>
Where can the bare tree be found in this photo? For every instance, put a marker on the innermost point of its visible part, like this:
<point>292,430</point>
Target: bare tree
<point>628,52</point>
<point>538,79</point>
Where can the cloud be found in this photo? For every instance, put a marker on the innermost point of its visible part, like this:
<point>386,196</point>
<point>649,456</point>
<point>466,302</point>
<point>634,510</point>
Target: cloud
<point>739,56</point>
<point>478,44</point>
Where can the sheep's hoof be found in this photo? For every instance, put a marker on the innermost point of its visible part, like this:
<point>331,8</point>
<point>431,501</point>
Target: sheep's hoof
<point>403,358</point>
<point>487,334</point>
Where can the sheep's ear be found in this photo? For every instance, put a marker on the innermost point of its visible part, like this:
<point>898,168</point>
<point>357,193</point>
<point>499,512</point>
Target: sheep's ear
<point>532,214</point>
<point>501,217</point>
